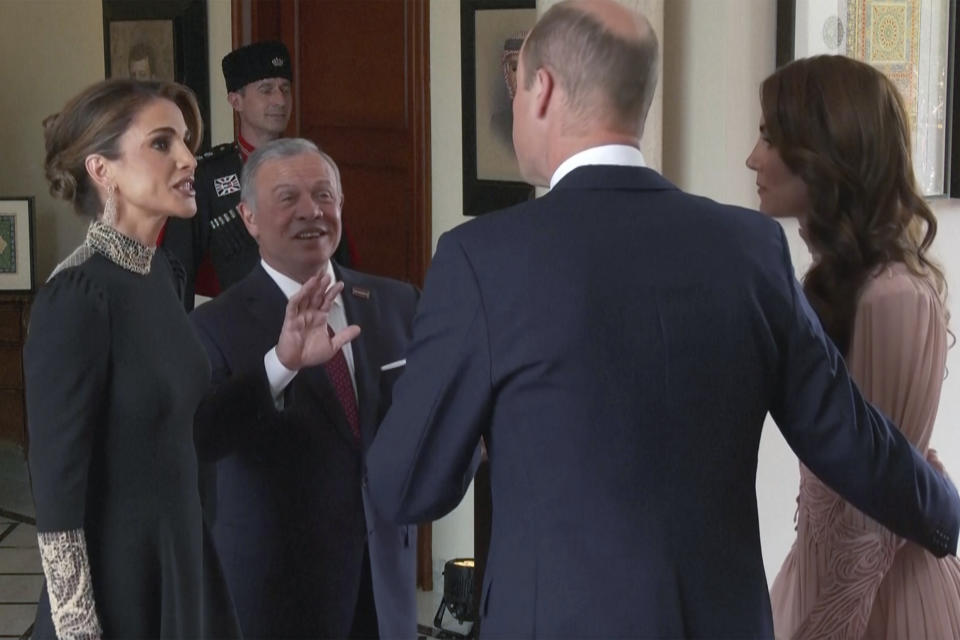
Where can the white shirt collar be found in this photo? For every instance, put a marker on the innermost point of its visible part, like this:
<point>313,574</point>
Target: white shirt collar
<point>289,286</point>
<point>610,154</point>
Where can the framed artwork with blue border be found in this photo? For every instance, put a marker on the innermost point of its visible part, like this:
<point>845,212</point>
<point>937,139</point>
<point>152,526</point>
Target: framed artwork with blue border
<point>915,44</point>
<point>16,245</point>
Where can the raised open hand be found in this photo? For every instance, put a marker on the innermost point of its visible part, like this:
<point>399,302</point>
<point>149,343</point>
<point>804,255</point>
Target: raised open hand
<point>304,339</point>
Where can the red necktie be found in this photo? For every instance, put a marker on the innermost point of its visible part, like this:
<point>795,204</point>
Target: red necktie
<point>339,375</point>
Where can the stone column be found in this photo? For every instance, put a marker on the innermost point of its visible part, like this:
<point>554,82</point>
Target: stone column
<point>652,142</point>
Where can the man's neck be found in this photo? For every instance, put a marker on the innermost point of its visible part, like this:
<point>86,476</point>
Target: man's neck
<point>567,146</point>
<point>144,229</point>
<point>255,137</point>
<point>298,278</point>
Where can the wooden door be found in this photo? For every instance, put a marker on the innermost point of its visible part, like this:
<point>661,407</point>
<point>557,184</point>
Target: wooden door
<point>361,92</point>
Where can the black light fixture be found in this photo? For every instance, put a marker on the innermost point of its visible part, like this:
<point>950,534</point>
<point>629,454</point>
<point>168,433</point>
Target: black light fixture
<point>457,594</point>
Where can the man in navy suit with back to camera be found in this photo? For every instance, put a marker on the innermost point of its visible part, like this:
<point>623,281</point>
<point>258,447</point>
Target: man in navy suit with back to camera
<point>291,414</point>
<point>618,343</point>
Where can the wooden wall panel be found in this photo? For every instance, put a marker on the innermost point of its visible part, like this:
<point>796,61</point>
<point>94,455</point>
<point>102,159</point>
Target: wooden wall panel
<point>14,316</point>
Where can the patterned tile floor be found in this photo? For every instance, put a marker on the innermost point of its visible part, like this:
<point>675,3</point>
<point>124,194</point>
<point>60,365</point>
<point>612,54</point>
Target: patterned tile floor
<point>20,574</point>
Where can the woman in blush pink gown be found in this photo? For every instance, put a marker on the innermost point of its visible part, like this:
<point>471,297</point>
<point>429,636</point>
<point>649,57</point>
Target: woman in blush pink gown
<point>834,151</point>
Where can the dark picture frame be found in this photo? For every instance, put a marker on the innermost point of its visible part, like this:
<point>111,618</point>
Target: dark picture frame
<point>482,192</point>
<point>786,30</point>
<point>17,244</point>
<point>786,51</point>
<point>171,34</point>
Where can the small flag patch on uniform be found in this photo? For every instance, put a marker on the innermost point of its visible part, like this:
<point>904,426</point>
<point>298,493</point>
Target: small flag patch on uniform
<point>226,185</point>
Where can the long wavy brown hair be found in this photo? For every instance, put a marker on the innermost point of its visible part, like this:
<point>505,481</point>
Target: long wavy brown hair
<point>841,126</point>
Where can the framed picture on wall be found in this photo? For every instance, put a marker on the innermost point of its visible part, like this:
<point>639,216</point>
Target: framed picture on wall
<point>914,43</point>
<point>16,244</point>
<point>491,32</point>
<point>159,40</point>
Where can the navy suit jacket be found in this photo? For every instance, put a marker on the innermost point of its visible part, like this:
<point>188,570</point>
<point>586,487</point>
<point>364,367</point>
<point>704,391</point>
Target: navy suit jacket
<point>289,510</point>
<point>618,344</point>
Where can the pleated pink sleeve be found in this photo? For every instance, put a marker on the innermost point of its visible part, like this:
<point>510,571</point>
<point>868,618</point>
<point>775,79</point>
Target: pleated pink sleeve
<point>897,358</point>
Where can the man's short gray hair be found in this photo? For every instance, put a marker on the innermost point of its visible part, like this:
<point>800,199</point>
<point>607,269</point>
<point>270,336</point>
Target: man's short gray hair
<point>279,148</point>
<point>596,67</point>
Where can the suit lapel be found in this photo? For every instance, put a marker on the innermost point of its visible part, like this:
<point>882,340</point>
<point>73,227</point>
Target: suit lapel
<point>266,303</point>
<point>359,305</point>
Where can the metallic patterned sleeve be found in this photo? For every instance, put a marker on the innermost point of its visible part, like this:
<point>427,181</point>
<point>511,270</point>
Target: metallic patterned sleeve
<point>66,567</point>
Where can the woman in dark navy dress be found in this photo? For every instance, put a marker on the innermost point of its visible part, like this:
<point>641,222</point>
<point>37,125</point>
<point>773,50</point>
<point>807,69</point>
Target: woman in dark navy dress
<point>114,374</point>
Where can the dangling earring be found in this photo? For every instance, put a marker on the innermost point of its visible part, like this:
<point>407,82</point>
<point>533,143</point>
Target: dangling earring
<point>109,216</point>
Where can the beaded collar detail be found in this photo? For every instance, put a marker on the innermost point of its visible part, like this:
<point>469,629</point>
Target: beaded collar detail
<point>122,250</point>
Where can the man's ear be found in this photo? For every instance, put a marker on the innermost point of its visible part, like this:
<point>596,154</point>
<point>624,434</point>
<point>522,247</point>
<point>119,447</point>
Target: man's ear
<point>98,168</point>
<point>544,85</point>
<point>249,219</point>
<point>234,98</point>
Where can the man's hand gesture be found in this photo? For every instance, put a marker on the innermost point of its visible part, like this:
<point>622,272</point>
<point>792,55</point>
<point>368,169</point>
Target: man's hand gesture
<point>304,339</point>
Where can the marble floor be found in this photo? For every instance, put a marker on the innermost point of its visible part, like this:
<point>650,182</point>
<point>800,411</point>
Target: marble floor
<point>21,576</point>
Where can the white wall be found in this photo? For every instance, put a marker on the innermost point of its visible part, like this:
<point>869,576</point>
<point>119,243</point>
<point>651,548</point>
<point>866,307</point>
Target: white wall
<point>446,152</point>
<point>50,50</point>
<point>715,54</point>
<point>946,435</point>
<point>452,535</point>
<point>219,44</point>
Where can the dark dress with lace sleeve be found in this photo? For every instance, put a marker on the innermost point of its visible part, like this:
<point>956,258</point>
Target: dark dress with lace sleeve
<point>114,374</point>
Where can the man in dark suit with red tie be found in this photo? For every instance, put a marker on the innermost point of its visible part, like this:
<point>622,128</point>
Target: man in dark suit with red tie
<point>618,343</point>
<point>304,552</point>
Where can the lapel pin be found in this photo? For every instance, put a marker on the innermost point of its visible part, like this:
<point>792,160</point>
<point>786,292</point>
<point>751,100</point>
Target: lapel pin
<point>360,292</point>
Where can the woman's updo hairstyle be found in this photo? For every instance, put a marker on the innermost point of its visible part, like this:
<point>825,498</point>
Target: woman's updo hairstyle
<point>93,122</point>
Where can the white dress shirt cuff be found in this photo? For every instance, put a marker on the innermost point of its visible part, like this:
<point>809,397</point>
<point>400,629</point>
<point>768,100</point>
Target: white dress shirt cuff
<point>278,376</point>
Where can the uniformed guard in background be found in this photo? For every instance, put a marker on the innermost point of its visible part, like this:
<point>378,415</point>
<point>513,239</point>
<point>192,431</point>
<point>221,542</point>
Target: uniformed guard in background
<point>214,246</point>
